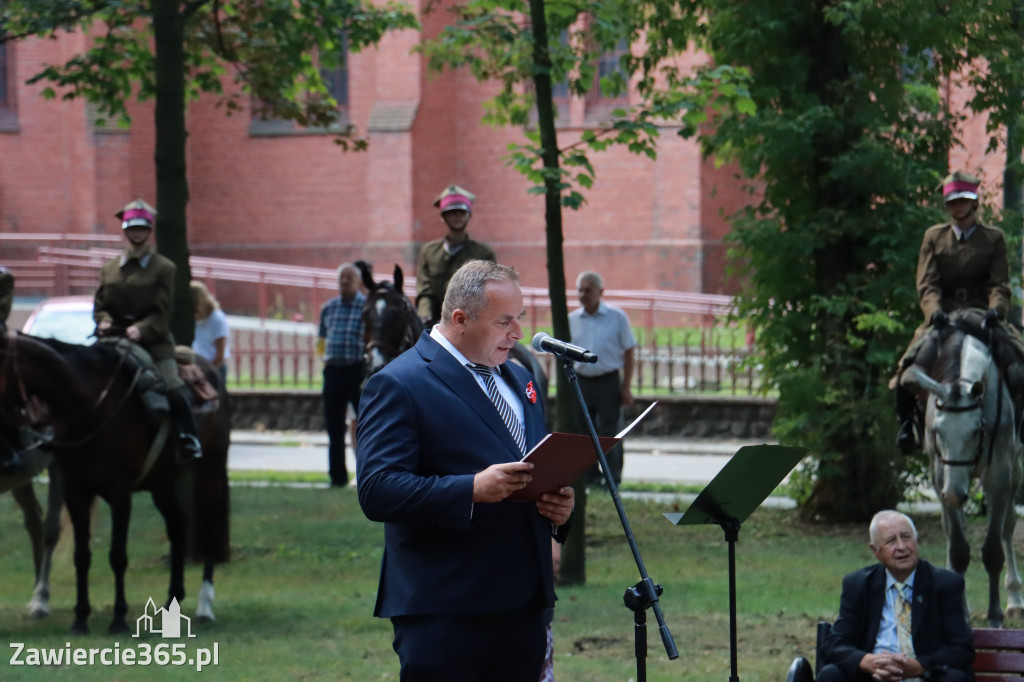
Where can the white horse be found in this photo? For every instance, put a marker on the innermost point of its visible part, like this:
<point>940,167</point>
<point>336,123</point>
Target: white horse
<point>970,434</point>
<point>43,533</point>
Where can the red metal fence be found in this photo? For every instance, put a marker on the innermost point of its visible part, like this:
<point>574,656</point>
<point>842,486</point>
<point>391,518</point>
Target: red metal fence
<point>708,351</point>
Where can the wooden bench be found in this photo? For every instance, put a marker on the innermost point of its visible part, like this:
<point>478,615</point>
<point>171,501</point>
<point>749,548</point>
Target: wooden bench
<point>999,656</point>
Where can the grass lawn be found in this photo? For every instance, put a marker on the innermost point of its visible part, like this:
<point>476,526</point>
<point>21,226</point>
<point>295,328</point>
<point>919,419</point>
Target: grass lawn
<point>295,600</point>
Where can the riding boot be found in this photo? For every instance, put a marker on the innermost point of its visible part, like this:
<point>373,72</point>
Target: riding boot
<point>906,405</point>
<point>183,422</point>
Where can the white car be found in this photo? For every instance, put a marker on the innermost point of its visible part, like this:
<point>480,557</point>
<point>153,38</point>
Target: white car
<point>65,318</point>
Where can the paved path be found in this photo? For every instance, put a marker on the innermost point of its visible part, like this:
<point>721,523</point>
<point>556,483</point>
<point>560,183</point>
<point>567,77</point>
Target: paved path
<point>647,460</point>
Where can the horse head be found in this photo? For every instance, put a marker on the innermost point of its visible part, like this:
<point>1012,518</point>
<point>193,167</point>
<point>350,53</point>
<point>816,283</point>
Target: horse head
<point>960,414</point>
<point>391,323</point>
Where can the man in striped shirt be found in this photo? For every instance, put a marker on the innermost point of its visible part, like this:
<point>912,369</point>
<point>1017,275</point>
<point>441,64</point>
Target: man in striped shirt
<point>340,341</point>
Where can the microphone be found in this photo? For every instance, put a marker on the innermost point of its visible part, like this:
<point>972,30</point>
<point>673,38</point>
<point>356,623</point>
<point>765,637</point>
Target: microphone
<point>543,343</point>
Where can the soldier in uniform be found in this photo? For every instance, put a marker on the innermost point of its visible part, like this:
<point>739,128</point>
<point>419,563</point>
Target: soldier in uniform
<point>439,259</point>
<point>962,265</point>
<point>134,300</point>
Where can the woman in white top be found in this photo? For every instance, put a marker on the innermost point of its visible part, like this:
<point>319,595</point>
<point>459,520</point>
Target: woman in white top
<point>211,337</point>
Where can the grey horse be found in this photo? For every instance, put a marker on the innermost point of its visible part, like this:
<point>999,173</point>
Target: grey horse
<point>970,434</point>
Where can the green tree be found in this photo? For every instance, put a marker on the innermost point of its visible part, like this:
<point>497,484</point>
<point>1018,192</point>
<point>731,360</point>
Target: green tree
<point>170,51</point>
<point>850,140</point>
<point>562,42</point>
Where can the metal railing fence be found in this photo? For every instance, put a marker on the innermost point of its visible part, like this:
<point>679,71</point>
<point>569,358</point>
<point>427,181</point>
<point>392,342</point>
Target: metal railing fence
<point>688,341</point>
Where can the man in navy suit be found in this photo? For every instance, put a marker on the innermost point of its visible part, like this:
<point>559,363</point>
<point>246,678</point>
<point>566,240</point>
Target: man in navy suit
<point>865,643</point>
<point>466,574</point>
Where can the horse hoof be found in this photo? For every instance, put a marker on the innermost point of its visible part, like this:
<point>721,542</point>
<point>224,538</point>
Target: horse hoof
<point>38,611</point>
<point>79,629</point>
<point>117,628</point>
<point>1014,612</point>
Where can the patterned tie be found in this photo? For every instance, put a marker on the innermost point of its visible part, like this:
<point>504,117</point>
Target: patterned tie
<point>902,605</point>
<point>504,409</point>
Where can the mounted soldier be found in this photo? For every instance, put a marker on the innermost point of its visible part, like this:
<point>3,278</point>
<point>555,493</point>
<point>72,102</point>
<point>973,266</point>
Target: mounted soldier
<point>134,301</point>
<point>962,268</point>
<point>439,259</point>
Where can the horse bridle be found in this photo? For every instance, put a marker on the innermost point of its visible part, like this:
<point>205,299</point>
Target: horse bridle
<point>11,367</point>
<point>955,409</point>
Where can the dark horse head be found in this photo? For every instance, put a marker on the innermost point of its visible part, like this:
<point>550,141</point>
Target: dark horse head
<point>391,323</point>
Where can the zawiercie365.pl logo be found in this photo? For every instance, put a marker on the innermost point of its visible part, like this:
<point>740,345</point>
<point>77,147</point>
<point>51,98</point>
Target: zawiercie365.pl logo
<point>168,623</point>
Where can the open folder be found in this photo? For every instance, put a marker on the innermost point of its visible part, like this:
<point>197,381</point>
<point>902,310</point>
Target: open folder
<point>559,458</point>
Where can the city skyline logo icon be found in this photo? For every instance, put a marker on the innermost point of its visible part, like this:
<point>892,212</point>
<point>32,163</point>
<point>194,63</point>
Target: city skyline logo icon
<point>170,621</point>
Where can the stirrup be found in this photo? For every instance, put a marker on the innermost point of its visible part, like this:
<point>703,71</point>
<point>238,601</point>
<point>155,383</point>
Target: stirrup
<point>190,447</point>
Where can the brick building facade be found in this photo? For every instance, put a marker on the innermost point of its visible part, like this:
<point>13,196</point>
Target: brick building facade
<point>284,196</point>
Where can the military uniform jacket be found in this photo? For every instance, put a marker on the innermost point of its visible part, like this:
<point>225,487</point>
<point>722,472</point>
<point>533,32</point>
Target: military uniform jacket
<point>139,292</point>
<point>952,275</point>
<point>435,268</point>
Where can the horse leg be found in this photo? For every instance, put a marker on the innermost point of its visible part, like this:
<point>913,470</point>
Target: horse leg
<point>1014,599</point>
<point>39,605</point>
<point>169,506</point>
<point>993,558</point>
<point>210,514</point>
<point>79,506</point>
<point>32,514</point>
<point>120,515</point>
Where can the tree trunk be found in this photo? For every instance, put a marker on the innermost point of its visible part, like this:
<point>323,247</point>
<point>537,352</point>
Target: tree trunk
<point>1013,176</point>
<point>573,570</point>
<point>169,155</point>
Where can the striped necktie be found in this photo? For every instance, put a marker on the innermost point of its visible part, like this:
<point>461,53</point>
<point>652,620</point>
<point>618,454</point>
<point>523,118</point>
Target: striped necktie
<point>504,409</point>
<point>902,607</point>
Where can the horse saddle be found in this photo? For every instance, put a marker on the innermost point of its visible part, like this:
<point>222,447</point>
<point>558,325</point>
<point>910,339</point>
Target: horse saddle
<point>204,394</point>
<point>151,387</point>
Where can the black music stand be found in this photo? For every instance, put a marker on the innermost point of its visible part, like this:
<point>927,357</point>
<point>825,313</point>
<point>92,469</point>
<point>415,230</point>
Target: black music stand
<point>738,489</point>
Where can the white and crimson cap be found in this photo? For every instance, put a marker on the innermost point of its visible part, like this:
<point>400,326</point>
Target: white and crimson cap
<point>455,198</point>
<point>137,212</point>
<point>960,185</point>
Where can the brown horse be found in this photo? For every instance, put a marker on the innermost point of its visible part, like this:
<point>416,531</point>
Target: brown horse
<point>106,444</point>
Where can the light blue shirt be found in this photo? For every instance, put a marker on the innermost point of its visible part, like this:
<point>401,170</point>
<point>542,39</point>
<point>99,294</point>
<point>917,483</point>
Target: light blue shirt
<point>214,327</point>
<point>888,641</point>
<point>605,333</point>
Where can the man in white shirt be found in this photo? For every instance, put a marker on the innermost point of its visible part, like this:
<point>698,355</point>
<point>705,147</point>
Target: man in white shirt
<point>603,330</point>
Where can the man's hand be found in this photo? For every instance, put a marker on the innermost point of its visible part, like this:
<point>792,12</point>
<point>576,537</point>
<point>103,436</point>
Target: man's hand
<point>132,333</point>
<point>888,667</point>
<point>498,481</point>
<point>557,506</point>
<point>627,395</point>
<point>103,327</point>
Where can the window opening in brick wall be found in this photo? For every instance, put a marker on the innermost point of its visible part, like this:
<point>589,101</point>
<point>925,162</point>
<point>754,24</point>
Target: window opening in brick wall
<point>599,103</point>
<point>336,82</point>
<point>8,111</point>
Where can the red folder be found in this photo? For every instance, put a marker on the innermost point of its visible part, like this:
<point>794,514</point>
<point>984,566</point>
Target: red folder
<point>558,459</point>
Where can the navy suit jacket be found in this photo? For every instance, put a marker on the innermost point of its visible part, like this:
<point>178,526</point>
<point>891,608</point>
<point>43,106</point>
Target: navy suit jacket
<point>425,429</point>
<point>942,636</point>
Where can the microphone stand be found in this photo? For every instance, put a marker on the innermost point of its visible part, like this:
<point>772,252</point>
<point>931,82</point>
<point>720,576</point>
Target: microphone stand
<point>645,593</point>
